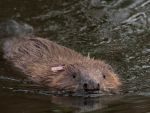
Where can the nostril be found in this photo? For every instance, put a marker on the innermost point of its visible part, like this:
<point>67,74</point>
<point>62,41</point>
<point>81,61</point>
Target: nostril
<point>85,85</point>
<point>98,86</point>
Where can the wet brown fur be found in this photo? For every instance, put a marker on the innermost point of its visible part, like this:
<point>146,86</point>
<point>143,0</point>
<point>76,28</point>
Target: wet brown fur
<point>35,56</point>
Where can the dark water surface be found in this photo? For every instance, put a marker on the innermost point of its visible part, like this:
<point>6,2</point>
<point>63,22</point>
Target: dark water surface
<point>117,31</point>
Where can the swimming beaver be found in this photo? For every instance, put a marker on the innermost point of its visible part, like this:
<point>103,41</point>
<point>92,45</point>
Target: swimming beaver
<point>50,64</point>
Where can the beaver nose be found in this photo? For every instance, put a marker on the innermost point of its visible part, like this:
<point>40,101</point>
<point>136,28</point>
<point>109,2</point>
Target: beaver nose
<point>85,86</point>
<point>91,82</point>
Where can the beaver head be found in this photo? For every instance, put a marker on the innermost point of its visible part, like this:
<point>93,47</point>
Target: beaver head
<point>85,75</point>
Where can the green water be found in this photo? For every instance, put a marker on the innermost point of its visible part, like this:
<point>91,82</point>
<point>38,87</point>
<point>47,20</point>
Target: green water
<point>117,31</point>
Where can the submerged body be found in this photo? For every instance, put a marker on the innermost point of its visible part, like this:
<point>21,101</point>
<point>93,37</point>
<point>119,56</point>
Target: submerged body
<point>50,64</point>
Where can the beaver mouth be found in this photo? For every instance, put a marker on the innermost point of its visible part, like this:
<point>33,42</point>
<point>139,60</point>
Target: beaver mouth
<point>91,89</point>
<point>86,88</point>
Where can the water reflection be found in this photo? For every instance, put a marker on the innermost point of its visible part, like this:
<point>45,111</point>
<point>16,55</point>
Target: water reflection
<point>84,104</point>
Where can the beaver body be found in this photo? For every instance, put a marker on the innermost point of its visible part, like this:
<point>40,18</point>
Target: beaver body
<point>50,64</point>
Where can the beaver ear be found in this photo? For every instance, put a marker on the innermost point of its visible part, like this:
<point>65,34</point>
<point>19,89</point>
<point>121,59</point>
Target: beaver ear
<point>56,69</point>
<point>109,67</point>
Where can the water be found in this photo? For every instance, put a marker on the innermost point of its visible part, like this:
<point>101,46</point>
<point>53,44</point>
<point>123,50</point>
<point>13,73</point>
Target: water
<point>116,31</point>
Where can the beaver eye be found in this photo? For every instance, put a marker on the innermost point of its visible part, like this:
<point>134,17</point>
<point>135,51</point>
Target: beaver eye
<point>74,75</point>
<point>104,75</point>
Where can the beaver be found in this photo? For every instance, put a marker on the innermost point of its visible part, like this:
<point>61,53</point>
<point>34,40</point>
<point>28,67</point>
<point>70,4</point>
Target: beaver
<point>50,64</point>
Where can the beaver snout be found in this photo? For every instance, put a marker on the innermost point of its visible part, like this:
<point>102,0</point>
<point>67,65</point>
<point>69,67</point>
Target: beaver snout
<point>89,87</point>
